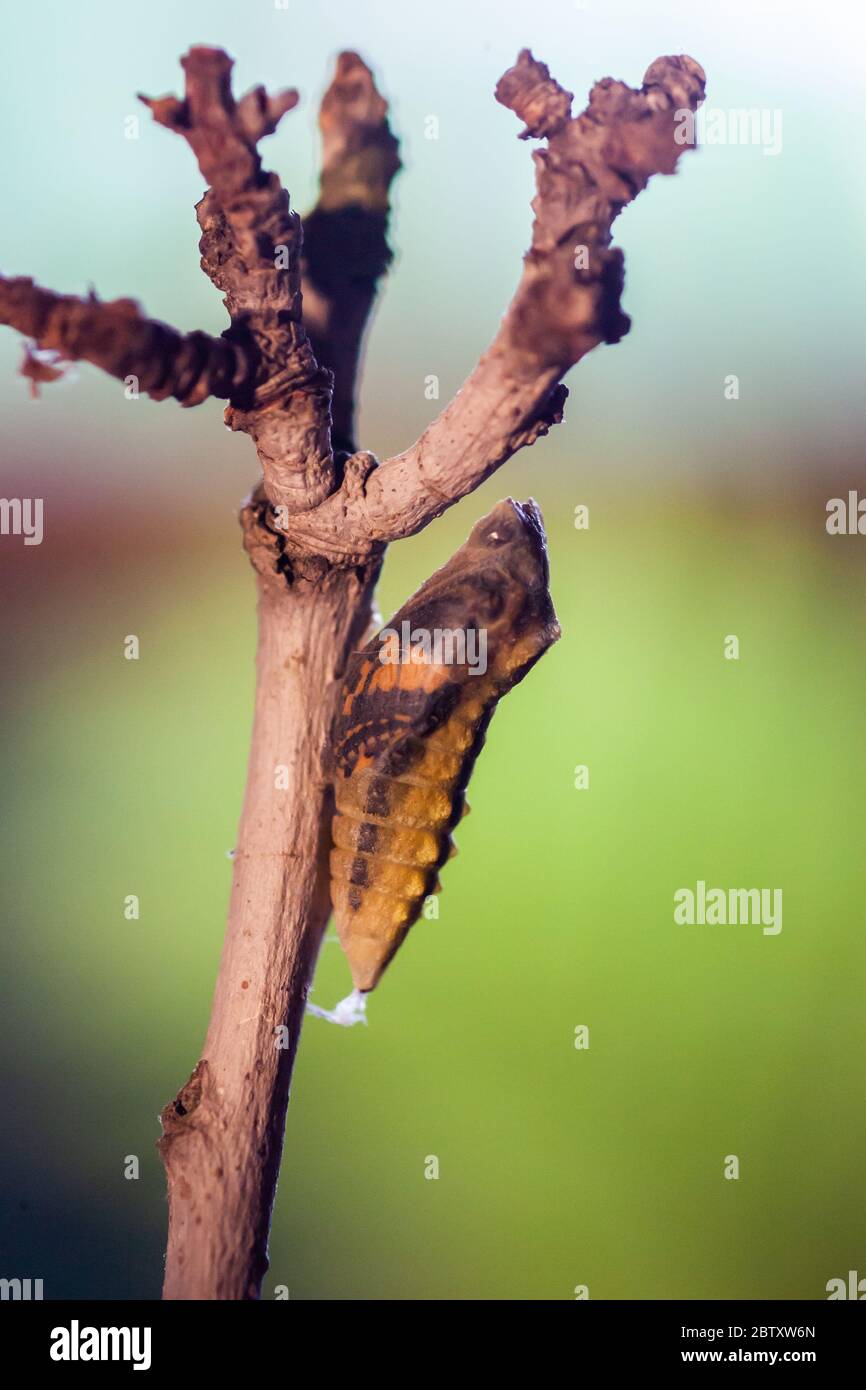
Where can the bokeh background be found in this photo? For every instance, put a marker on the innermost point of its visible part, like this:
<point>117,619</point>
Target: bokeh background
<point>558,1167</point>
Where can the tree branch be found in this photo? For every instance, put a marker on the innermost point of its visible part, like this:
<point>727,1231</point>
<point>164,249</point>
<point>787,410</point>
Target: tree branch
<point>316,563</point>
<point>118,338</point>
<point>345,249</point>
<point>567,302</point>
<point>250,248</point>
<point>223,1134</point>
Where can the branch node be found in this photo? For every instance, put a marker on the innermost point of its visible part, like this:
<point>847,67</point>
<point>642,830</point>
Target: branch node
<point>177,1117</point>
<point>357,470</point>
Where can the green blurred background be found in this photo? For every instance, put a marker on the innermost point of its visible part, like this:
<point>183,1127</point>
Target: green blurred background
<point>558,1167</point>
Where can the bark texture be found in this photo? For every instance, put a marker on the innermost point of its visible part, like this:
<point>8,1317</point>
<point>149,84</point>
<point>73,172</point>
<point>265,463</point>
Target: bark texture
<point>345,246</point>
<point>223,1134</point>
<point>316,526</point>
<point>118,338</point>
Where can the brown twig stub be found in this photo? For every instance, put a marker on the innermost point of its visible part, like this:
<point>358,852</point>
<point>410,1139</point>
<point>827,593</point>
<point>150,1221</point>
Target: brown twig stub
<point>533,95</point>
<point>245,217</point>
<point>593,165</point>
<point>360,154</point>
<point>345,250</point>
<point>116,336</point>
<point>250,248</point>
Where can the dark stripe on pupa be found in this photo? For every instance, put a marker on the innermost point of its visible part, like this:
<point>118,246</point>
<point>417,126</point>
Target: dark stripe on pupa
<point>368,837</point>
<point>377,803</point>
<point>358,871</point>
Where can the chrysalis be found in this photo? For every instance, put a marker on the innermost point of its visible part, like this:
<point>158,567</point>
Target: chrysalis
<point>411,720</point>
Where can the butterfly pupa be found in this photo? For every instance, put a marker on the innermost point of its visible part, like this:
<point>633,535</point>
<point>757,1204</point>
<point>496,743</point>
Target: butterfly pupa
<point>411,719</point>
